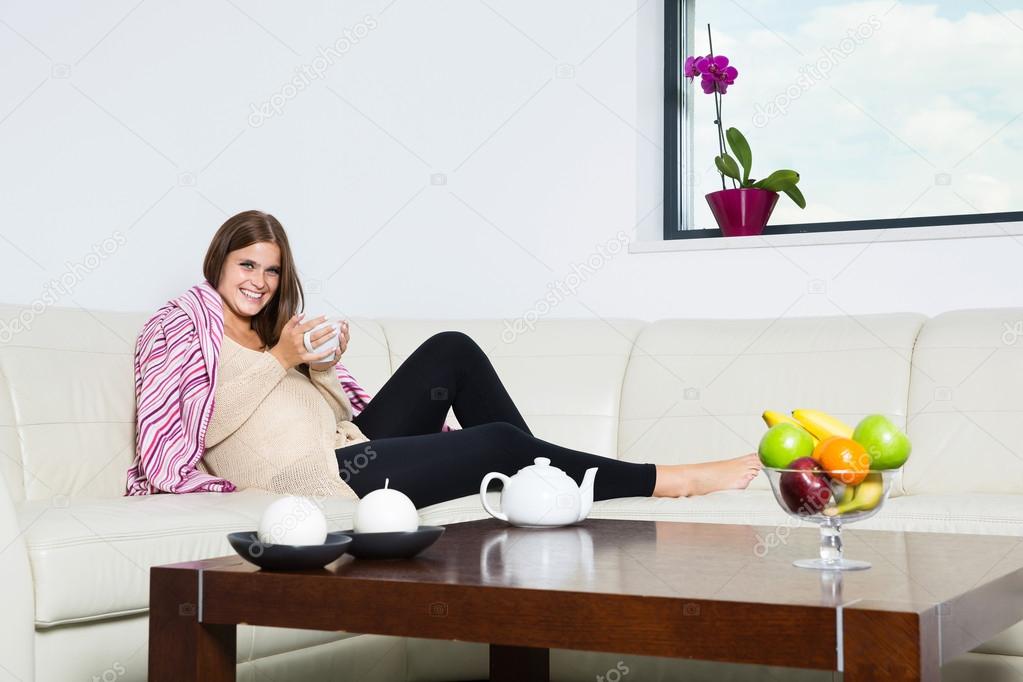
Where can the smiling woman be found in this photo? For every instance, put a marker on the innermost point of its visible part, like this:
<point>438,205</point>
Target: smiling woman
<point>247,262</point>
<point>229,397</point>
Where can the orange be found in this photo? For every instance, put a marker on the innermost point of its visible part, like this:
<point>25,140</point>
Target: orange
<point>843,459</point>
<point>821,446</point>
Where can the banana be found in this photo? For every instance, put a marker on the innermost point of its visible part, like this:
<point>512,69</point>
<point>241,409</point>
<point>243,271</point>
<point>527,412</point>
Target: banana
<point>771,418</point>
<point>843,493</point>
<point>847,494</point>
<point>867,495</point>
<point>821,424</point>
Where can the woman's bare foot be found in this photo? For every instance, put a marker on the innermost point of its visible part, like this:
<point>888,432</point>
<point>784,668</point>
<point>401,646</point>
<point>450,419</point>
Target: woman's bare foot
<point>683,480</point>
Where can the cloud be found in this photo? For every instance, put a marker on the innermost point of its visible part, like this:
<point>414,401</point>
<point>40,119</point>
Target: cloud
<point>889,108</point>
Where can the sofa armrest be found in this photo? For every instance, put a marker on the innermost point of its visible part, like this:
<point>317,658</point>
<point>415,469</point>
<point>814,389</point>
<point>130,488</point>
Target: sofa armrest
<point>17,617</point>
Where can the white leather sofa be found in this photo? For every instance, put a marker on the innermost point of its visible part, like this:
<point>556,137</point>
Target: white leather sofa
<point>75,554</point>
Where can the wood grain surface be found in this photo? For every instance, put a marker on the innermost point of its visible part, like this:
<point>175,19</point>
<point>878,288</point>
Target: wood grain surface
<point>709,591</point>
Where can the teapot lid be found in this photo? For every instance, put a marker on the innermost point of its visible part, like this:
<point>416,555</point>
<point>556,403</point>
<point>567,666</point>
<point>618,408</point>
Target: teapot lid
<point>541,466</point>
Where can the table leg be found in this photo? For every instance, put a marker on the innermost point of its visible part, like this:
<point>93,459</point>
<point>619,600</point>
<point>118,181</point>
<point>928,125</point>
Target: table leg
<point>901,647</point>
<point>181,649</point>
<point>519,664</point>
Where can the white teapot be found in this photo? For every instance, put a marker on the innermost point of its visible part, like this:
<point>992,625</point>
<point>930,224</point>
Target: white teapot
<point>541,496</point>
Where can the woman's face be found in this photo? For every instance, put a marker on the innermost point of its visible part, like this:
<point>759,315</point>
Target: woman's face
<point>249,278</point>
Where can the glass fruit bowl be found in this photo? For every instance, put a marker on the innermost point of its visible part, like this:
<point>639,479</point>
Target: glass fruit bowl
<point>830,500</point>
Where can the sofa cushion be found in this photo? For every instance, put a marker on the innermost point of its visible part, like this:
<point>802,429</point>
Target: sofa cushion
<point>964,513</point>
<point>68,424</point>
<point>468,508</point>
<point>362,658</point>
<point>966,404</point>
<point>67,411</point>
<point>91,557</point>
<point>433,661</point>
<point>1009,642</point>
<point>980,514</point>
<point>565,376</point>
<point>117,649</point>
<point>694,390</point>
<point>983,668</point>
<point>954,513</point>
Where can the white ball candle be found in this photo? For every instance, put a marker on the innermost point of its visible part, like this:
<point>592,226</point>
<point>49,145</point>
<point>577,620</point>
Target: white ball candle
<point>385,510</point>
<point>292,520</point>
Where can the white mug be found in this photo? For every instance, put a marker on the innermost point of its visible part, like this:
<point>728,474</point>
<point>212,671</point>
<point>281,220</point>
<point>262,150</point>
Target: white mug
<point>329,345</point>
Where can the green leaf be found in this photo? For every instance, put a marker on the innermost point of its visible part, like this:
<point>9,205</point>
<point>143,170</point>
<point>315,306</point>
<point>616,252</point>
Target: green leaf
<point>740,147</point>
<point>793,193</point>
<point>727,165</point>
<point>777,180</point>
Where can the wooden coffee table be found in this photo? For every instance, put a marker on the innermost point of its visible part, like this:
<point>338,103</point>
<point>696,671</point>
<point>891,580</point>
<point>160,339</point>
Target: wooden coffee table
<point>687,590</point>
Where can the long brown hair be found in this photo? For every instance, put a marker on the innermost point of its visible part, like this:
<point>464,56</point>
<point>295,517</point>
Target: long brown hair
<point>245,229</point>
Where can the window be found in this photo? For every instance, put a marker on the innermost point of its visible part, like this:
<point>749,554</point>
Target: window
<point>895,113</point>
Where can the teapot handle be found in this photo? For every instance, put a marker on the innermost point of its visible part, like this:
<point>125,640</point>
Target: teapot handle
<point>483,494</point>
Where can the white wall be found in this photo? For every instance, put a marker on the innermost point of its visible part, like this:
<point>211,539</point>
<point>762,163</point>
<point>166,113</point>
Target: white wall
<point>133,122</point>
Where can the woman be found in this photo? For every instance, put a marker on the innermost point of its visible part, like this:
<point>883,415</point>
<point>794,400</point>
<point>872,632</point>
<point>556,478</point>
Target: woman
<point>289,421</point>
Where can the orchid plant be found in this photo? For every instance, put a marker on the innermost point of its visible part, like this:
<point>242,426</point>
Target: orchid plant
<point>716,74</point>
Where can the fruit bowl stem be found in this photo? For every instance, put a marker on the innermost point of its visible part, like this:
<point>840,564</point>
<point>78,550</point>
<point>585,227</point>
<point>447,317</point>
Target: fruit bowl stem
<point>831,543</point>
<point>831,558</point>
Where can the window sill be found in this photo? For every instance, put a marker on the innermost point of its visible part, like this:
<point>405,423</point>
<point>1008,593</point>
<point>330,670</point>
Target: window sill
<point>888,234</point>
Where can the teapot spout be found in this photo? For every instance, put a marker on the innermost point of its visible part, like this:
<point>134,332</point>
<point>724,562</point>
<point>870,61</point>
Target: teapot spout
<point>586,493</point>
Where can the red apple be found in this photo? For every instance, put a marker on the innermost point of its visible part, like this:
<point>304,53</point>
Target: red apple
<point>805,490</point>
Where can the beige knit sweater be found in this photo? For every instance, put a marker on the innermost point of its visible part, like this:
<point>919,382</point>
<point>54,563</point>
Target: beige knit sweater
<point>275,429</point>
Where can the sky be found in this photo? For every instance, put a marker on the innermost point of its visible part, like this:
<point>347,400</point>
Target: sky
<point>886,109</point>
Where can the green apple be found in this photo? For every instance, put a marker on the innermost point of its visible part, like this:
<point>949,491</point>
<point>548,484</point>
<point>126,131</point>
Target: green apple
<point>784,443</point>
<point>887,446</point>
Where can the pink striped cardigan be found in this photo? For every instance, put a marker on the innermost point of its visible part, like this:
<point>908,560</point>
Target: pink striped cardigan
<point>176,360</point>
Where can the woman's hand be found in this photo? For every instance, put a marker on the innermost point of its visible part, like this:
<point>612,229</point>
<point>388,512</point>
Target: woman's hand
<point>345,335</point>
<point>338,352</point>
<point>290,349</point>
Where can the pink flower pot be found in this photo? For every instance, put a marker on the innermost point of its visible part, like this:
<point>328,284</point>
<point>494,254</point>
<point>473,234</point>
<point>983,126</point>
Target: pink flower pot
<point>742,212</point>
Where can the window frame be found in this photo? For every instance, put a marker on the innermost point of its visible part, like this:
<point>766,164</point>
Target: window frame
<point>679,32</point>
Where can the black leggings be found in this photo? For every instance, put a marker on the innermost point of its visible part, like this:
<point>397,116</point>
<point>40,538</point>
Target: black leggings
<point>404,421</point>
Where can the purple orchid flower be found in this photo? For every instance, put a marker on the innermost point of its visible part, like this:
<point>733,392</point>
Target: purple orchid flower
<point>689,70</point>
<point>716,74</point>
